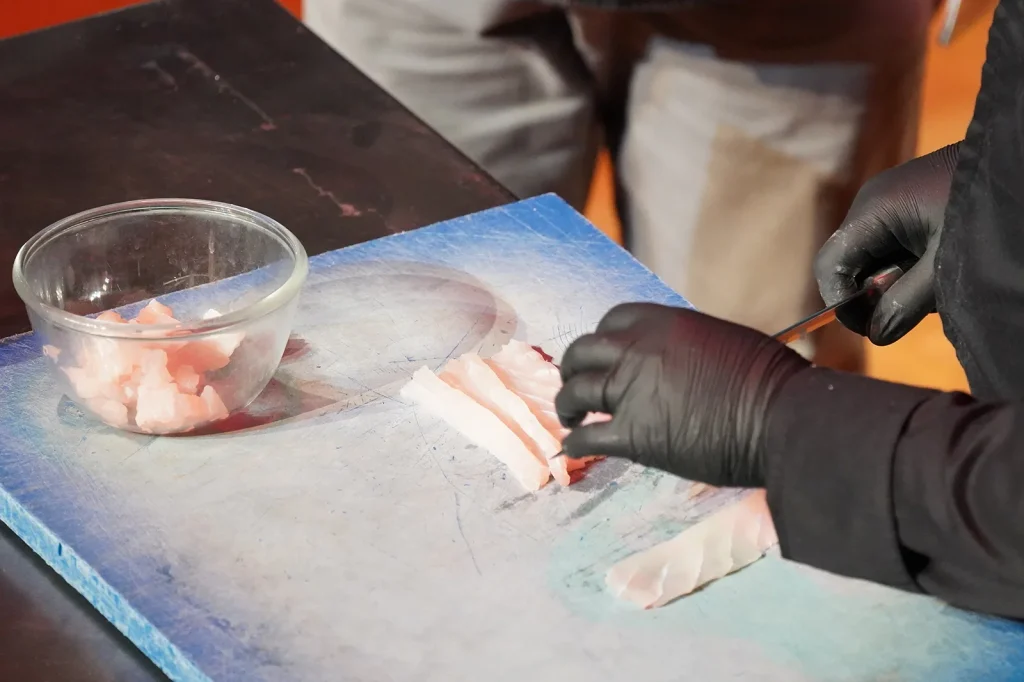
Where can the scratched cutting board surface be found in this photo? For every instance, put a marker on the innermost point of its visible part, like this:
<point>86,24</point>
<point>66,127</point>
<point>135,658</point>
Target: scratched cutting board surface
<point>338,533</point>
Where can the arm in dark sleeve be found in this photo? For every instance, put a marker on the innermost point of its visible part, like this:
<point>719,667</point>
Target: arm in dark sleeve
<point>979,277</point>
<point>903,486</point>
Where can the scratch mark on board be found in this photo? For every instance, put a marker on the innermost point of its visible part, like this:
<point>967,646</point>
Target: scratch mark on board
<point>135,452</point>
<point>455,347</point>
<point>346,210</point>
<point>419,426</point>
<point>223,86</point>
<point>192,471</point>
<point>514,502</point>
<point>375,392</point>
<point>462,533</point>
<point>165,77</point>
<point>430,451</point>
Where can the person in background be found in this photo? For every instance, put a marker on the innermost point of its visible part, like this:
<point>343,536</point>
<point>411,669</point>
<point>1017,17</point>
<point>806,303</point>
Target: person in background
<point>904,486</point>
<point>739,129</point>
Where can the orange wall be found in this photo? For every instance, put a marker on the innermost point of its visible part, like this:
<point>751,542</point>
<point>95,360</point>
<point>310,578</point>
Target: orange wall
<point>21,16</point>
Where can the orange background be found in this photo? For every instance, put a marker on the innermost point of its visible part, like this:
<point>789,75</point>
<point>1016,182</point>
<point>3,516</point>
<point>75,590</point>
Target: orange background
<point>951,82</point>
<point>952,79</point>
<point>21,16</point>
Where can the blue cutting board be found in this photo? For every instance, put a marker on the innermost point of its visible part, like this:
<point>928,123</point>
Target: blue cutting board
<point>337,533</point>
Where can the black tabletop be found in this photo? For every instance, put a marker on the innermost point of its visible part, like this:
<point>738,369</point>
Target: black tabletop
<point>231,100</point>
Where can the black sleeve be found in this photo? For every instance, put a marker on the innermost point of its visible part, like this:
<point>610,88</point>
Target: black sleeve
<point>903,486</point>
<point>980,259</point>
<point>908,487</point>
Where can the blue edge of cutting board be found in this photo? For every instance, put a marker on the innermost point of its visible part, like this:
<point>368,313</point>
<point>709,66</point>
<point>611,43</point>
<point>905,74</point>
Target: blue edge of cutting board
<point>545,217</point>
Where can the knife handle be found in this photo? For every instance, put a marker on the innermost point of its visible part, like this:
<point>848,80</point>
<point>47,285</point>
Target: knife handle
<point>871,289</point>
<point>880,282</point>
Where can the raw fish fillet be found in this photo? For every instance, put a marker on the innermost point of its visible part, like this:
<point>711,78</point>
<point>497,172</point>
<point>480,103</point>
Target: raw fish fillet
<point>156,385</point>
<point>112,412</point>
<point>206,355</point>
<point>158,409</point>
<point>726,541</point>
<point>533,378</point>
<point>88,386</point>
<point>187,379</point>
<point>107,360</point>
<point>478,424</point>
<point>152,367</point>
<point>214,407</point>
<point>162,408</point>
<point>537,381</point>
<point>110,316</point>
<point>155,313</point>
<point>475,378</point>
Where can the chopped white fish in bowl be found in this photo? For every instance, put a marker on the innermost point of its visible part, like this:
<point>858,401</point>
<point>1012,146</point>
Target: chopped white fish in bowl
<point>155,387</point>
<point>158,372</point>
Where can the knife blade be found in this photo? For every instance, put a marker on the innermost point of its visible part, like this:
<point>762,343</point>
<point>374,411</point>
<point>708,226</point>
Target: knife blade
<point>873,287</point>
<point>959,16</point>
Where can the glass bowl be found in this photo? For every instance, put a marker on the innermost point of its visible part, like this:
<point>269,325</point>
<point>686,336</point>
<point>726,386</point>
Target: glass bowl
<point>225,281</point>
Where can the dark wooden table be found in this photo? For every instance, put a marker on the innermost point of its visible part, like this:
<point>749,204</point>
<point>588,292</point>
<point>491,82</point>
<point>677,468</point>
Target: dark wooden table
<point>230,100</point>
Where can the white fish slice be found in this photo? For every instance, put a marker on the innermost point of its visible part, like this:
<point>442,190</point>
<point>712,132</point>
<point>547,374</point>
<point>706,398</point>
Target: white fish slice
<point>536,381</point>
<point>531,370</point>
<point>533,378</point>
<point>727,541</point>
<point>543,409</point>
<point>226,343</point>
<point>471,375</point>
<point>478,424</point>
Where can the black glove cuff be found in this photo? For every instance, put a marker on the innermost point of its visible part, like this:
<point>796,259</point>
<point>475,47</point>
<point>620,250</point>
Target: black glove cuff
<point>830,450</point>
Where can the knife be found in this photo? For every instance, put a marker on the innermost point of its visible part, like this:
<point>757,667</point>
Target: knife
<point>873,288</point>
<point>960,15</point>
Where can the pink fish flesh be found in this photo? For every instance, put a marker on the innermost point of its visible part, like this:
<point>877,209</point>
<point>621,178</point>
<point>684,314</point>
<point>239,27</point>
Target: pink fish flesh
<point>517,388</point>
<point>155,386</point>
<point>728,540</point>
<point>475,378</point>
<point>537,381</point>
<point>478,424</point>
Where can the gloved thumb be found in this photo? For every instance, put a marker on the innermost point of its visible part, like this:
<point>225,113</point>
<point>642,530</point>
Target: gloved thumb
<point>906,303</point>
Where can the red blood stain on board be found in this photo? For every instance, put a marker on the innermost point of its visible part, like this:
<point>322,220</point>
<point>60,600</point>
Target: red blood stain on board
<point>296,348</point>
<point>544,355</point>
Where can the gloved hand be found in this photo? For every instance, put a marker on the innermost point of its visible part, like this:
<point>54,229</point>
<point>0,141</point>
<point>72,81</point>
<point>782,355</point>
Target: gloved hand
<point>897,216</point>
<point>688,393</point>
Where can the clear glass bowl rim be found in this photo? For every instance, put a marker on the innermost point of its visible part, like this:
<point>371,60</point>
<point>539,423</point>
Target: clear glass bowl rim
<point>266,305</point>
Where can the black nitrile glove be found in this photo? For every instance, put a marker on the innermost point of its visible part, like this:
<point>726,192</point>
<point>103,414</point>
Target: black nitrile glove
<point>688,393</point>
<point>897,216</point>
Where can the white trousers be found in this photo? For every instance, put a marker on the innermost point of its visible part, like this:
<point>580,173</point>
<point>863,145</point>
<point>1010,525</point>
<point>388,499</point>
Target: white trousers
<point>738,139</point>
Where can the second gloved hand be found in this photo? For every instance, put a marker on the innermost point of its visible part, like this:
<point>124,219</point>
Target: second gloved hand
<point>896,217</point>
<point>688,393</point>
